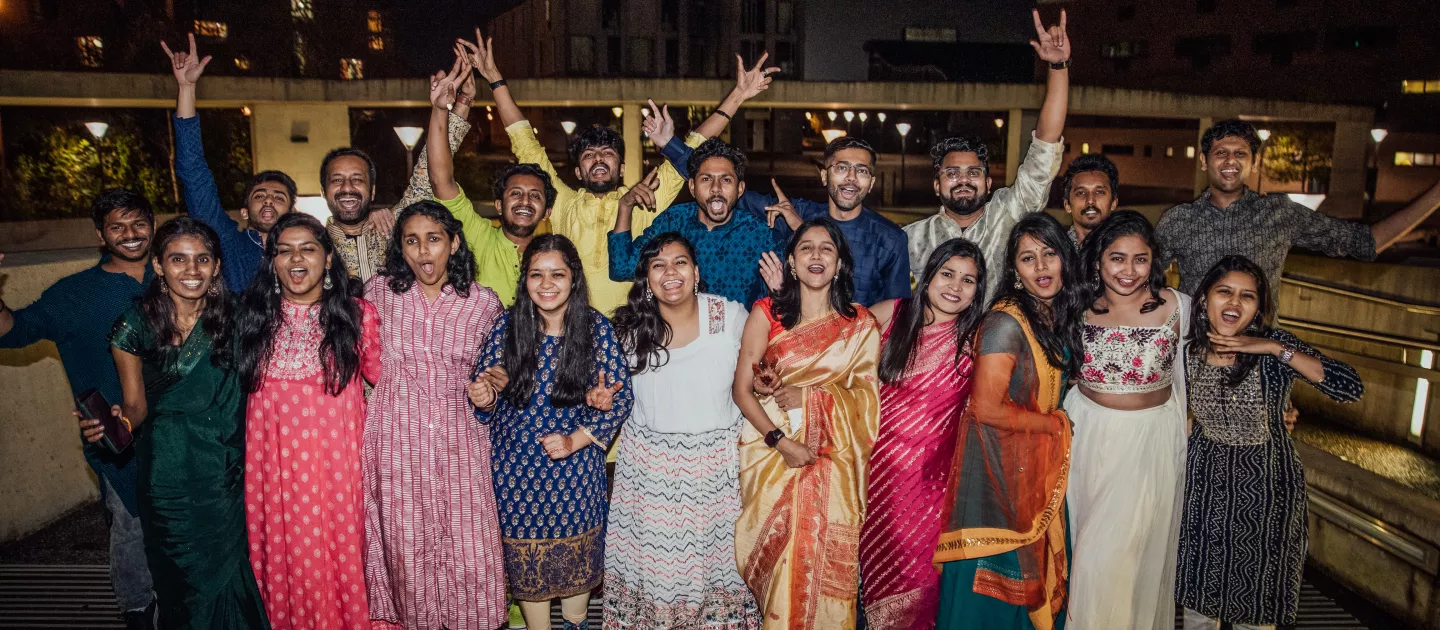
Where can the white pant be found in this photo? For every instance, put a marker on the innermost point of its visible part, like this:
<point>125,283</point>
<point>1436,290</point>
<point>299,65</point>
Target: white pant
<point>1197,621</point>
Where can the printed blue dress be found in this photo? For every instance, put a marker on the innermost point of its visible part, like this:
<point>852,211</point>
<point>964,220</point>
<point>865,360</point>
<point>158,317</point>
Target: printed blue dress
<point>552,512</point>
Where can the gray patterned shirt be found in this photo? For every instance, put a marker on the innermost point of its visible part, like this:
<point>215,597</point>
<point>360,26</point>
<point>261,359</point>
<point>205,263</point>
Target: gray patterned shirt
<point>1262,228</point>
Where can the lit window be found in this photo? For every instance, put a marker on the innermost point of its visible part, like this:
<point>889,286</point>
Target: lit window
<point>1404,158</point>
<point>1169,151</point>
<point>1424,159</point>
<point>1419,87</point>
<point>352,68</point>
<point>242,63</point>
<point>1190,152</point>
<point>92,51</point>
<point>374,22</point>
<point>1084,147</point>
<point>211,28</point>
<point>377,42</point>
<point>302,10</point>
<point>300,57</point>
<point>1432,87</point>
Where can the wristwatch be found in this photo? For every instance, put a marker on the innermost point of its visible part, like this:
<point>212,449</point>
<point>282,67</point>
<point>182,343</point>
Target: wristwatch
<point>1060,65</point>
<point>1286,353</point>
<point>772,438</point>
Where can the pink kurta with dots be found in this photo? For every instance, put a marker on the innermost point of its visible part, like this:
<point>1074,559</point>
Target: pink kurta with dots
<point>304,515</point>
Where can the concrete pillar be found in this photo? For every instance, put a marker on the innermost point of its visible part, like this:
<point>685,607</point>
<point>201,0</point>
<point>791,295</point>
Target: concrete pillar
<point>1202,181</point>
<point>1346,197</point>
<point>294,138</point>
<point>634,150</point>
<point>1014,124</point>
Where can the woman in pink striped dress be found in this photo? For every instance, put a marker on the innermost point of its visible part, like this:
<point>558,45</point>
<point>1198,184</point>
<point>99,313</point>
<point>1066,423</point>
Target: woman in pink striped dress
<point>304,346</point>
<point>925,380</point>
<point>432,532</point>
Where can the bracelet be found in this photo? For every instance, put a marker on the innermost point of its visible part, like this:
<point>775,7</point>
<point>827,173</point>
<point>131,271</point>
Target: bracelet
<point>464,99</point>
<point>497,85</point>
<point>773,438</point>
<point>722,113</point>
<point>1060,65</point>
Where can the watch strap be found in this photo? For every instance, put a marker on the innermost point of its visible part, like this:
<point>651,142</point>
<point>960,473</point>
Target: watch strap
<point>773,438</point>
<point>496,85</point>
<point>1060,65</point>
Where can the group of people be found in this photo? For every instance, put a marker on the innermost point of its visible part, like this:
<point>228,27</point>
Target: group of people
<point>820,420</point>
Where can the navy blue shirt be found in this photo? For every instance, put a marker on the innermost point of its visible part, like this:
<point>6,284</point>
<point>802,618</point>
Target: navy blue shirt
<point>728,255</point>
<point>240,252</point>
<point>881,253</point>
<point>76,313</point>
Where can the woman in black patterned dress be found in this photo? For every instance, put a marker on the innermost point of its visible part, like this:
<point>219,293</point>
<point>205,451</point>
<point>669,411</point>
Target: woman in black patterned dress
<point>1243,533</point>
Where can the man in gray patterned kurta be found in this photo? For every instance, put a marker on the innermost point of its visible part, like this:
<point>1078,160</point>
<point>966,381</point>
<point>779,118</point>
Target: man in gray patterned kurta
<point>1229,218</point>
<point>968,206</point>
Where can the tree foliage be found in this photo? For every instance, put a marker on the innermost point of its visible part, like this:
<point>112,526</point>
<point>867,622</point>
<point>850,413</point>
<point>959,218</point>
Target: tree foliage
<point>1299,153</point>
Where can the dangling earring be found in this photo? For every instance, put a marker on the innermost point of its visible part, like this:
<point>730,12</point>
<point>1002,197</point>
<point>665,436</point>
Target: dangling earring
<point>697,286</point>
<point>793,274</point>
<point>648,295</point>
<point>277,285</point>
<point>164,288</point>
<point>1018,285</point>
<point>329,284</point>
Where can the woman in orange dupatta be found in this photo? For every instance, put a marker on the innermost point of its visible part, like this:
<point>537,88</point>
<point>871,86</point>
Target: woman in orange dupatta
<point>1005,547</point>
<point>811,355</point>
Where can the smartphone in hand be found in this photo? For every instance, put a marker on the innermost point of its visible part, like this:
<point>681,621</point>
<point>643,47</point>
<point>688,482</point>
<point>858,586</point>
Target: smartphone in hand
<point>93,406</point>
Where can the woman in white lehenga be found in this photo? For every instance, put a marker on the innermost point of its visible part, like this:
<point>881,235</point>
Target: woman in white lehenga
<point>1127,468</point>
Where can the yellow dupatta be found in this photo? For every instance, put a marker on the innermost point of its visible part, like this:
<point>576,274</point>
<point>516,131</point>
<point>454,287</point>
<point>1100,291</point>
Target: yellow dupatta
<point>797,541</point>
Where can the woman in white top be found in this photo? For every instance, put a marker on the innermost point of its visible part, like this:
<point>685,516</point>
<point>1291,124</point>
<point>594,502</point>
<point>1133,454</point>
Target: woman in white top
<point>670,547</point>
<point>1127,466</point>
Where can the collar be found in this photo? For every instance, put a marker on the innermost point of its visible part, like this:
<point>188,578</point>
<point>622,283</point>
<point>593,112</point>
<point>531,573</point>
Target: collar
<point>1246,198</point>
<point>254,235</point>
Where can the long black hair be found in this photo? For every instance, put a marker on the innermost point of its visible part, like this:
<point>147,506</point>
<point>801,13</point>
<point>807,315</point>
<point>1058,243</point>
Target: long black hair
<point>900,349</point>
<point>159,309</point>
<point>1200,314</point>
<point>261,313</point>
<point>786,302</point>
<point>459,269</point>
<point>527,331</point>
<point>1056,325</point>
<point>1113,228</point>
<point>643,332</point>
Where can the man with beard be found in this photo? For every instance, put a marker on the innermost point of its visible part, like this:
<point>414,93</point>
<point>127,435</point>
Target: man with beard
<point>728,244</point>
<point>348,177</point>
<point>76,313</point>
<point>271,193</point>
<point>1089,188</point>
<point>585,215</point>
<point>1229,218</point>
<point>969,208</point>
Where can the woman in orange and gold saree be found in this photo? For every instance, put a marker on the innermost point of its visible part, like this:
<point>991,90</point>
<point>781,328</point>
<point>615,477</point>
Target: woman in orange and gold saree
<point>811,356</point>
<point>1004,552</point>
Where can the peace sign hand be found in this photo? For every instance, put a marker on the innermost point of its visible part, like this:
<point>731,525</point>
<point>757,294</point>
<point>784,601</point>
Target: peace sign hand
<point>751,82</point>
<point>602,397</point>
<point>187,66</point>
<point>482,56</point>
<point>658,125</point>
<point>1051,45</point>
<point>781,208</point>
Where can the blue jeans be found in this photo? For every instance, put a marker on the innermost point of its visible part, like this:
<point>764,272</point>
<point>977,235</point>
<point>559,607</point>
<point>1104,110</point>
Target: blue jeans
<point>129,572</point>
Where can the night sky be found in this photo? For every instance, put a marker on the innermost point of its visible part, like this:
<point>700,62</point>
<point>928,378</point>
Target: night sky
<point>425,28</point>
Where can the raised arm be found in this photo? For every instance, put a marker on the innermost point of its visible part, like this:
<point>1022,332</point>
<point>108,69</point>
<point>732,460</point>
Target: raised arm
<point>482,56</point>
<point>1391,229</point>
<point>444,90</point>
<point>202,197</point>
<point>749,82</point>
<point>1053,47</point>
<point>420,187</point>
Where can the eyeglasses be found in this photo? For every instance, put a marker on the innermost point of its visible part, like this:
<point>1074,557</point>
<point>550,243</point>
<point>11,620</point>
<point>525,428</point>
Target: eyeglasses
<point>842,169</point>
<point>955,173</point>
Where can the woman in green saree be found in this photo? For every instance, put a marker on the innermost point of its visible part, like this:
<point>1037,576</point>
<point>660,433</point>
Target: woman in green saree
<point>183,400</point>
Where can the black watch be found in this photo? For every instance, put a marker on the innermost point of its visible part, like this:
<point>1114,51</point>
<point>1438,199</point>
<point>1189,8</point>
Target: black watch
<point>496,85</point>
<point>772,438</point>
<point>1060,65</point>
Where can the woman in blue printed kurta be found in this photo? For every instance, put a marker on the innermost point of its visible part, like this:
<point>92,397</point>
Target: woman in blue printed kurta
<point>565,393</point>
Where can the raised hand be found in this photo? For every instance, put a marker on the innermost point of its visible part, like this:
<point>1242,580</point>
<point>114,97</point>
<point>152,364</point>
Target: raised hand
<point>1052,45</point>
<point>187,66</point>
<point>772,271</point>
<point>643,194</point>
<point>781,208</point>
<point>658,126</point>
<point>601,396</point>
<point>752,81</point>
<point>445,86</point>
<point>482,56</point>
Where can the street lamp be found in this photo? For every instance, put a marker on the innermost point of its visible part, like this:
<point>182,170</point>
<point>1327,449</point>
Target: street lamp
<point>98,130</point>
<point>1372,184</point>
<point>904,131</point>
<point>569,127</point>
<point>1378,134</point>
<point>1260,178</point>
<point>999,122</point>
<point>832,134</point>
<point>830,115</point>
<point>863,117</point>
<point>618,111</point>
<point>881,116</point>
<point>409,136</point>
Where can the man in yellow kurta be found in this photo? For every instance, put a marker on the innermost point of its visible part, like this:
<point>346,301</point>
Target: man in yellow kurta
<point>584,215</point>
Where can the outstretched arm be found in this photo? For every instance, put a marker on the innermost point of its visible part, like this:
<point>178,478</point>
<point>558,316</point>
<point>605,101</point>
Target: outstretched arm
<point>1053,47</point>
<point>749,82</point>
<point>482,56</point>
<point>420,188</point>
<point>1392,228</point>
<point>444,89</point>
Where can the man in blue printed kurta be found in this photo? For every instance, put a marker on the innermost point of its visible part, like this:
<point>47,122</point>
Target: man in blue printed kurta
<point>76,314</point>
<point>728,244</point>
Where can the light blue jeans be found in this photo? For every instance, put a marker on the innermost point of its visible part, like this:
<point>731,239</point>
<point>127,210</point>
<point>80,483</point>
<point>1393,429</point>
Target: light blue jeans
<point>129,570</point>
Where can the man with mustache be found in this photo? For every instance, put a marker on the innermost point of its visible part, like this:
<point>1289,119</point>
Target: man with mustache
<point>728,244</point>
<point>76,313</point>
<point>347,176</point>
<point>1230,218</point>
<point>271,193</point>
<point>583,215</point>
<point>969,207</point>
<point>1089,188</point>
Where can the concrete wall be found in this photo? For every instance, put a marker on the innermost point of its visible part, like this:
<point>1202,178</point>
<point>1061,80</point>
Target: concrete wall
<point>43,470</point>
<point>1403,183</point>
<point>276,132</point>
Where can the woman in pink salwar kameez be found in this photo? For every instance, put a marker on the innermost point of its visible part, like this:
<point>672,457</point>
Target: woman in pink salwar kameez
<point>304,346</point>
<point>431,525</point>
<point>925,368</point>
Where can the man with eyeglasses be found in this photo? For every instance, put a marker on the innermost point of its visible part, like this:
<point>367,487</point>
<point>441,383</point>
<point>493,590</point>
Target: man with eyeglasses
<point>969,208</point>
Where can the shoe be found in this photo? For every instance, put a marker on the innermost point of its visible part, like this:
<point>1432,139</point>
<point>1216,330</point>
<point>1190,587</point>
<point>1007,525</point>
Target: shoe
<point>570,625</point>
<point>147,618</point>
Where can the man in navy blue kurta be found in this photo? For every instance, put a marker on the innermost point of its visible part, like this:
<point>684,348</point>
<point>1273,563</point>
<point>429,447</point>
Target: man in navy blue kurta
<point>76,313</point>
<point>728,244</point>
<point>882,262</point>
